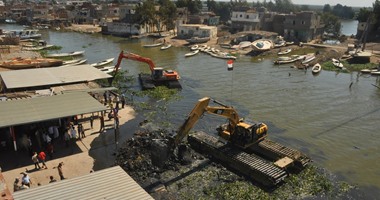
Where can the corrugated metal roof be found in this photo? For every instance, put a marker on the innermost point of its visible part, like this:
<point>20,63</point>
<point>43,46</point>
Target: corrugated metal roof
<point>51,76</point>
<point>23,111</point>
<point>111,183</point>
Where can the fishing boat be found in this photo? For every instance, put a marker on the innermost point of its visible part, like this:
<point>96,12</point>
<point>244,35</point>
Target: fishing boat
<point>81,61</point>
<point>308,58</point>
<point>10,21</point>
<point>286,51</point>
<point>37,48</point>
<point>316,68</point>
<point>198,39</point>
<point>192,53</point>
<point>367,71</point>
<point>337,63</point>
<point>262,45</point>
<point>153,45</point>
<point>21,63</point>
<point>287,59</point>
<point>102,63</point>
<point>244,44</point>
<point>167,46</point>
<point>107,69</point>
<point>376,73</point>
<point>58,55</point>
<point>289,43</point>
<point>194,47</point>
<point>69,62</point>
<point>223,55</point>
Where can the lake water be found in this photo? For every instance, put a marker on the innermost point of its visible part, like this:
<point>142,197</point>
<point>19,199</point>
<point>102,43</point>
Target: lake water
<point>335,124</point>
<point>349,27</point>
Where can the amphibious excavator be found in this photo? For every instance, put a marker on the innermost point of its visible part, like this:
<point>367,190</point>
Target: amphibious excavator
<point>244,146</point>
<point>158,76</point>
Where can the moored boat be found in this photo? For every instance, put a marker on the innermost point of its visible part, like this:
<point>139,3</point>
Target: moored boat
<point>262,45</point>
<point>21,63</point>
<point>192,53</point>
<point>316,68</point>
<point>308,58</point>
<point>244,44</point>
<point>337,63</point>
<point>102,63</point>
<point>194,47</point>
<point>286,51</point>
<point>376,73</point>
<point>68,62</point>
<point>58,55</point>
<point>366,71</point>
<point>153,45</point>
<point>167,46</point>
<point>198,39</point>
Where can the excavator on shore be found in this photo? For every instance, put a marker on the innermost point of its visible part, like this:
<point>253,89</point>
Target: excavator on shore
<point>158,76</point>
<point>244,148</point>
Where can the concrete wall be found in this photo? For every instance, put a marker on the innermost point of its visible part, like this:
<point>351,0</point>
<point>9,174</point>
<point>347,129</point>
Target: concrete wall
<point>199,30</point>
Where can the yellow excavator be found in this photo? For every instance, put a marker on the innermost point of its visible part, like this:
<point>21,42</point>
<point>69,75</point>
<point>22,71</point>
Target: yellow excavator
<point>236,131</point>
<point>246,149</point>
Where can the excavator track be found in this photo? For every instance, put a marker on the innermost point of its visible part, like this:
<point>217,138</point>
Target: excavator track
<point>250,165</point>
<point>275,151</point>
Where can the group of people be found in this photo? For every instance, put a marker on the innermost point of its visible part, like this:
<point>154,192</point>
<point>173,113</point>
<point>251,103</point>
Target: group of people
<point>117,99</point>
<point>26,182</point>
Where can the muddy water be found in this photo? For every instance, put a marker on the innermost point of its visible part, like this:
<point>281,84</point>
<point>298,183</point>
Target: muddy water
<point>337,125</point>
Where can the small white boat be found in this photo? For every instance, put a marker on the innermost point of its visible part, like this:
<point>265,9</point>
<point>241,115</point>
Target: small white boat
<point>167,46</point>
<point>289,43</point>
<point>286,51</point>
<point>244,44</point>
<point>198,39</point>
<point>81,61</point>
<point>102,63</point>
<point>69,62</point>
<point>316,68</point>
<point>192,53</point>
<point>308,58</point>
<point>367,71</point>
<point>376,73</point>
<point>153,45</point>
<point>262,45</point>
<point>337,63</point>
<point>194,47</point>
<point>107,69</point>
<point>223,55</point>
<point>57,55</point>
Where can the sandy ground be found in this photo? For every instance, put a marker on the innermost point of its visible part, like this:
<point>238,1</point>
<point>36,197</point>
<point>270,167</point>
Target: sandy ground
<point>85,28</point>
<point>94,152</point>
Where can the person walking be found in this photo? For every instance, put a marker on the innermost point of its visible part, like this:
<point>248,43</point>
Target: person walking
<point>117,99</point>
<point>42,157</point>
<point>60,171</point>
<point>92,120</point>
<point>101,118</point>
<point>122,100</point>
<point>35,161</point>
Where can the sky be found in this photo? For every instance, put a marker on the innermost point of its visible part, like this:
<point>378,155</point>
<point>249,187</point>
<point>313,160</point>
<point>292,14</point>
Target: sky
<point>351,3</point>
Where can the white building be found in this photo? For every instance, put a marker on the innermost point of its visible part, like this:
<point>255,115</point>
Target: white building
<point>245,20</point>
<point>196,30</point>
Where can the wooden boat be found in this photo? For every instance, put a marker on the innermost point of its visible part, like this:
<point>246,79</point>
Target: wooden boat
<point>244,44</point>
<point>262,45</point>
<point>367,71</point>
<point>153,45</point>
<point>308,58</point>
<point>376,73</point>
<point>68,62</point>
<point>21,63</point>
<point>167,46</point>
<point>289,43</point>
<point>58,55</point>
<point>37,48</point>
<point>287,59</point>
<point>102,63</point>
<point>192,53</point>
<point>82,61</point>
<point>223,55</point>
<point>198,39</point>
<point>279,44</point>
<point>337,63</point>
<point>286,51</point>
<point>107,69</point>
<point>316,68</point>
<point>194,47</point>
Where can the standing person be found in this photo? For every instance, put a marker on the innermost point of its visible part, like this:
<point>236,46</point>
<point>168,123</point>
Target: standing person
<point>60,171</point>
<point>50,150</point>
<point>101,118</point>
<point>122,100</point>
<point>35,161</point>
<point>117,101</point>
<point>105,98</point>
<point>25,179</point>
<point>92,120</point>
<point>73,133</point>
<point>16,187</point>
<point>80,130</point>
<point>42,157</point>
<point>67,137</point>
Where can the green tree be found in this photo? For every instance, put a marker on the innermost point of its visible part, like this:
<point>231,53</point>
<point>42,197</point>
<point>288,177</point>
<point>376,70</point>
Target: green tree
<point>167,14</point>
<point>326,8</point>
<point>212,5</point>
<point>376,13</point>
<point>363,15</point>
<point>305,7</point>
<point>332,23</point>
<point>223,10</point>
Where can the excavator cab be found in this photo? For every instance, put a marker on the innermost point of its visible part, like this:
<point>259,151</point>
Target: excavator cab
<point>158,73</point>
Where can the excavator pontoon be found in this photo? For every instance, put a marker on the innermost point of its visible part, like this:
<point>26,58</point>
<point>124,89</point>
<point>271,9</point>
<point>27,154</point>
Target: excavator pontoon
<point>158,76</point>
<point>244,147</point>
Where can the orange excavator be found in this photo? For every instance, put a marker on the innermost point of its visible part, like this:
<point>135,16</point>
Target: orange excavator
<point>158,76</point>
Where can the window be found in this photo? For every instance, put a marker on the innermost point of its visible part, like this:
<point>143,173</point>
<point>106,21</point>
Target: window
<point>247,16</point>
<point>294,22</point>
<point>241,16</point>
<point>303,22</point>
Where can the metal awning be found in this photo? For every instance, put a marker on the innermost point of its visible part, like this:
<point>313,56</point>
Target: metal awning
<point>24,111</point>
<point>111,183</point>
<point>51,76</point>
